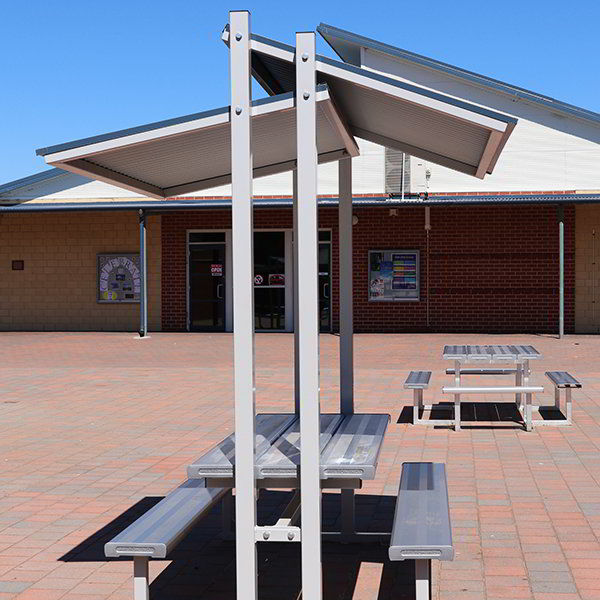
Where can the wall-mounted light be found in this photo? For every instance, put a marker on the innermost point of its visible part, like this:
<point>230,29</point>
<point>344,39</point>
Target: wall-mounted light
<point>354,220</point>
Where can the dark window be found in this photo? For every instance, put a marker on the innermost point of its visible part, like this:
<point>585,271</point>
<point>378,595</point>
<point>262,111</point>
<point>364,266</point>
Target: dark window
<point>18,265</point>
<point>207,237</point>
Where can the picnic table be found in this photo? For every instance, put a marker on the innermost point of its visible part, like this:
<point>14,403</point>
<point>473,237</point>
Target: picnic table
<point>504,359</point>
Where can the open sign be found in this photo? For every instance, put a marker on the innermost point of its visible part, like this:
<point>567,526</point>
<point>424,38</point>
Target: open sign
<point>216,270</point>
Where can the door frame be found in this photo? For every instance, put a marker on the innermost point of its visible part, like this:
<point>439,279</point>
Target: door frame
<point>228,276</point>
<point>330,298</point>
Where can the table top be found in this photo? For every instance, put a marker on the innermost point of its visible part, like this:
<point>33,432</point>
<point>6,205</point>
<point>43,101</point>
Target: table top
<point>491,353</point>
<point>349,444</point>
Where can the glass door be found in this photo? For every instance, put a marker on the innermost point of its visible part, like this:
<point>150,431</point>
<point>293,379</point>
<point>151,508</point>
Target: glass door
<point>325,281</point>
<point>206,287</point>
<point>269,280</point>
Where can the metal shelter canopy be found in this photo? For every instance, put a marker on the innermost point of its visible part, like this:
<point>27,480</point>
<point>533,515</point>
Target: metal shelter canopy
<point>192,153</point>
<point>432,126</point>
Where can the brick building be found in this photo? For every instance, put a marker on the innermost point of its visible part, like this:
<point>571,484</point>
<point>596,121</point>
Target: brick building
<point>464,254</point>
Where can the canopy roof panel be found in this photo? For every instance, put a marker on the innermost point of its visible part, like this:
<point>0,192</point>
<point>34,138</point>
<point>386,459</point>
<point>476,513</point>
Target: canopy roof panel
<point>193,153</point>
<point>450,132</point>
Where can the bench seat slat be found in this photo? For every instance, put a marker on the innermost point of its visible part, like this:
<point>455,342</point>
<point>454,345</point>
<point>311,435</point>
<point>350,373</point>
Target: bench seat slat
<point>219,461</point>
<point>353,451</point>
<point>160,529</point>
<point>562,379</point>
<point>417,380</point>
<point>421,528</point>
<point>515,389</point>
<point>283,458</point>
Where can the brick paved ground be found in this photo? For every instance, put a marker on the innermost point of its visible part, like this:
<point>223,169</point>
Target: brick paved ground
<point>95,427</point>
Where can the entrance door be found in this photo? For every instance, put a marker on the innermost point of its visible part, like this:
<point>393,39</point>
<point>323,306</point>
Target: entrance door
<point>269,280</point>
<point>325,281</point>
<point>207,287</point>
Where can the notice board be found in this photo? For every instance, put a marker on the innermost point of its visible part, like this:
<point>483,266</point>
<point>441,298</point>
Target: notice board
<point>394,275</point>
<point>118,277</point>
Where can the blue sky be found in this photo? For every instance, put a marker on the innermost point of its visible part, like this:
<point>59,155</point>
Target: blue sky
<point>75,69</point>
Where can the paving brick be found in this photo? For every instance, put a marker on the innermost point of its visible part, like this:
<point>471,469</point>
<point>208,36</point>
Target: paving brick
<point>96,423</point>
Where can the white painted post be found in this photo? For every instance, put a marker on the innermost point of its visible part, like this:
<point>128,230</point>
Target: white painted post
<point>143,277</point>
<point>141,588</point>
<point>346,320</point>
<point>308,315</point>
<point>295,284</point>
<point>243,304</point>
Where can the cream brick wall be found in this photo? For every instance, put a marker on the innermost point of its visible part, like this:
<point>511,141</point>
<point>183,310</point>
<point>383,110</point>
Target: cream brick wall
<point>587,268</point>
<point>57,289</point>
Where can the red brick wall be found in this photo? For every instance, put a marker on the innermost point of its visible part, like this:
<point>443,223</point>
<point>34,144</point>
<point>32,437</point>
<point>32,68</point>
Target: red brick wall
<point>492,268</point>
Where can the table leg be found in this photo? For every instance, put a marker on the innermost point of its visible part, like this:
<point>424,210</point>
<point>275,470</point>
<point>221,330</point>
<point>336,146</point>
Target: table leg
<point>568,405</point>
<point>348,513</point>
<point>556,398</point>
<point>416,406</point>
<point>528,423</point>
<point>518,382</point>
<point>456,412</point>
<point>457,396</point>
<point>227,515</point>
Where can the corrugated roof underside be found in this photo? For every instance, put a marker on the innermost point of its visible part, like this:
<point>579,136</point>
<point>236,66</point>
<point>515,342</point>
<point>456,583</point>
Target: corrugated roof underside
<point>206,153</point>
<point>368,110</point>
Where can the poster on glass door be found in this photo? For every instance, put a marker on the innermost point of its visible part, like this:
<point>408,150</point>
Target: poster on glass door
<point>393,275</point>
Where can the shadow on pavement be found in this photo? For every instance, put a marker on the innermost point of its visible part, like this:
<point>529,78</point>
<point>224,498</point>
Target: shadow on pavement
<point>203,564</point>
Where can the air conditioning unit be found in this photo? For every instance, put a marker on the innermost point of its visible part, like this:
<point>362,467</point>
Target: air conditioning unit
<point>397,172</point>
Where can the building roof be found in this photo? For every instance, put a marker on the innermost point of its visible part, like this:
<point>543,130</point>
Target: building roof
<point>30,180</point>
<point>347,46</point>
<point>161,206</point>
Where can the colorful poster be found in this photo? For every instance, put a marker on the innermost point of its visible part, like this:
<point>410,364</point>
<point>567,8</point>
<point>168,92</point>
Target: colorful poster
<point>393,275</point>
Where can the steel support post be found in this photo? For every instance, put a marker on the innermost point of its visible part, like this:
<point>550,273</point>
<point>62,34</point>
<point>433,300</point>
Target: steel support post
<point>308,315</point>
<point>143,278</point>
<point>243,304</point>
<point>346,320</point>
<point>295,291</point>
<point>561,272</point>
<point>346,270</point>
<point>141,588</point>
<point>423,579</point>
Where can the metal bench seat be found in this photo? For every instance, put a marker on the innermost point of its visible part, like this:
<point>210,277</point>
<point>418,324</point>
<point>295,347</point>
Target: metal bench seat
<point>562,381</point>
<point>354,448</point>
<point>350,446</point>
<point>219,460</point>
<point>161,528</point>
<point>418,381</point>
<point>283,457</point>
<point>528,390</point>
<point>421,529</point>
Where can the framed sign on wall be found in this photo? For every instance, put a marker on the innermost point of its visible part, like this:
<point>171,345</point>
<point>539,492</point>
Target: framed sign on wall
<point>118,277</point>
<point>394,275</point>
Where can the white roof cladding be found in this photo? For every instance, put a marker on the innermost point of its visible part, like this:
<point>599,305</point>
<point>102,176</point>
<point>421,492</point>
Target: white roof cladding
<point>351,48</point>
<point>192,153</point>
<point>555,146</point>
<point>458,135</point>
